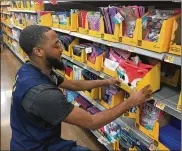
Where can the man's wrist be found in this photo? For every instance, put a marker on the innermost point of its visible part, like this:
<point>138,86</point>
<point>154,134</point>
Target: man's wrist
<point>129,103</point>
<point>106,82</point>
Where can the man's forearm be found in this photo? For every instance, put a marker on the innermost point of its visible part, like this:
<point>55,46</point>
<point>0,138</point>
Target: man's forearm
<point>81,85</point>
<point>107,116</point>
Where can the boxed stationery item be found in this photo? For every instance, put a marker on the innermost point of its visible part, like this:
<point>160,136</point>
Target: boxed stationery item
<point>156,28</point>
<point>111,23</point>
<point>151,122</point>
<point>95,24</point>
<point>95,56</point>
<point>110,96</point>
<point>68,20</point>
<point>92,93</point>
<point>130,21</point>
<point>67,43</point>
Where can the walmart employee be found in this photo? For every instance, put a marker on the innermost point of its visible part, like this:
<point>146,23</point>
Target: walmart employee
<point>38,106</point>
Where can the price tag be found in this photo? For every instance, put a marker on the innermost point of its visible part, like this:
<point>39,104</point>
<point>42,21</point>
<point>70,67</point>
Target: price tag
<point>103,140</point>
<point>131,49</point>
<point>160,105</point>
<point>152,147</point>
<point>169,59</point>
<point>88,50</point>
<point>109,44</point>
<point>126,128</point>
<point>118,18</point>
<point>85,66</point>
<point>102,75</point>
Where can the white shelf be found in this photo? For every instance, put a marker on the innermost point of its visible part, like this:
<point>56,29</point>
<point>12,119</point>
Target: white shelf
<point>5,4</point>
<point>5,13</point>
<point>61,30</point>
<point>7,25</point>
<point>23,11</point>
<point>98,135</point>
<point>16,54</point>
<point>160,56</point>
<point>14,26</point>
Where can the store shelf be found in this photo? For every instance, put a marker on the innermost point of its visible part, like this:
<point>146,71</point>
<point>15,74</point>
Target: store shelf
<point>16,54</point>
<point>128,124</point>
<point>167,99</point>
<point>83,65</point>
<point>5,4</point>
<point>5,13</point>
<point>7,25</point>
<point>14,26</point>
<point>98,135</point>
<point>23,11</point>
<point>174,59</point>
<point>167,96</point>
<point>8,34</point>
<point>120,46</point>
<point>61,30</point>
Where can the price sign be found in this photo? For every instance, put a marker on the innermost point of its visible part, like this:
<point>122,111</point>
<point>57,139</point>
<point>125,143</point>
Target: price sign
<point>103,140</point>
<point>85,66</point>
<point>152,147</point>
<point>169,59</point>
<point>126,128</point>
<point>131,49</point>
<point>160,105</point>
<point>102,75</point>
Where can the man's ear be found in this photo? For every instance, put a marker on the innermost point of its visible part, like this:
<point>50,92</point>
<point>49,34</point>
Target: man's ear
<point>38,52</point>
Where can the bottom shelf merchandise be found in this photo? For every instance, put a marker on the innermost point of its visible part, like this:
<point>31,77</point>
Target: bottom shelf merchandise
<point>112,134</point>
<point>161,127</point>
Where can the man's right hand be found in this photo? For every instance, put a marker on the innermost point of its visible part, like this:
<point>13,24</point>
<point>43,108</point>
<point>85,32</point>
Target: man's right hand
<point>139,97</point>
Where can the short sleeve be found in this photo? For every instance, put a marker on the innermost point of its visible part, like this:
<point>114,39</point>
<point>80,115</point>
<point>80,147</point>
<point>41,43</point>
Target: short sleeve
<point>51,105</point>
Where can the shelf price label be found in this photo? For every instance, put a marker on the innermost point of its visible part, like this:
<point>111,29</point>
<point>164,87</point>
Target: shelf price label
<point>131,49</point>
<point>102,75</point>
<point>85,66</point>
<point>126,128</point>
<point>152,147</point>
<point>160,105</point>
<point>169,58</point>
<point>103,140</point>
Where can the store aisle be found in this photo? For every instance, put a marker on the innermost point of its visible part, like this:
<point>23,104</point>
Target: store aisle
<point>9,66</point>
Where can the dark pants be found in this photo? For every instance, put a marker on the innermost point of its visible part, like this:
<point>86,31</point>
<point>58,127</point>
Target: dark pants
<point>79,148</point>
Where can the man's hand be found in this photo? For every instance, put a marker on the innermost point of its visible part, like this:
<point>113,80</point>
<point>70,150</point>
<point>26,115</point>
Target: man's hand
<point>113,81</point>
<point>139,97</point>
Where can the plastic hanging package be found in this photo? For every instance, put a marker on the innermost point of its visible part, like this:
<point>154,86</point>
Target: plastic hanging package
<point>130,15</point>
<point>94,20</point>
<point>152,24</point>
<point>149,115</point>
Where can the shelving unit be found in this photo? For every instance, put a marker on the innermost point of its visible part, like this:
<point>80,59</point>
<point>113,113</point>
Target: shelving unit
<point>23,11</point>
<point>165,99</point>
<point>127,123</point>
<point>162,96</point>
<point>7,25</point>
<point>16,54</point>
<point>5,13</point>
<point>174,59</point>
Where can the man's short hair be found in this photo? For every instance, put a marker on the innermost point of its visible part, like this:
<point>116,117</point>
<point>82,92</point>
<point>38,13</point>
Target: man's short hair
<point>31,37</point>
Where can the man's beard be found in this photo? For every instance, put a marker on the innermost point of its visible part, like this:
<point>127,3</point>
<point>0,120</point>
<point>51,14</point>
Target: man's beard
<point>55,63</point>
